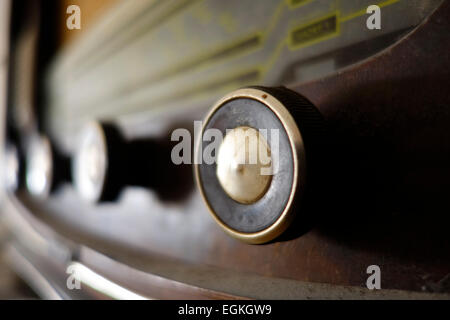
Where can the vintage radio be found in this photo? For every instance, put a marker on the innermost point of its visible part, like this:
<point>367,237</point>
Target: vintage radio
<point>229,149</point>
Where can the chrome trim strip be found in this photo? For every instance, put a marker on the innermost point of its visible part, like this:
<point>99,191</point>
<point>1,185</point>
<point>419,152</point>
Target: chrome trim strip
<point>31,275</point>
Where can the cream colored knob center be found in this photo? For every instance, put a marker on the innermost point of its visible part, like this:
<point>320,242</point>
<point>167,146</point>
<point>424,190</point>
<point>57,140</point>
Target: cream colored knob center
<point>244,165</point>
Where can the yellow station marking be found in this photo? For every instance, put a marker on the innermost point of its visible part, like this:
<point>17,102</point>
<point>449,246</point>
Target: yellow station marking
<point>363,11</point>
<point>286,41</point>
<point>225,52</point>
<point>314,31</point>
<point>294,4</point>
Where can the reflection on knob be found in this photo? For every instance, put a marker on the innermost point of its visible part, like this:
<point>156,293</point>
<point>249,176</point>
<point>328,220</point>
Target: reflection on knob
<point>13,168</point>
<point>106,162</point>
<point>46,168</point>
<point>240,180</point>
<point>90,164</point>
<point>256,186</point>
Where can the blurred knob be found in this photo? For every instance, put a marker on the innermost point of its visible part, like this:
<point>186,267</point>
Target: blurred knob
<point>90,165</point>
<point>46,168</point>
<point>13,168</point>
<point>106,162</point>
<point>257,183</point>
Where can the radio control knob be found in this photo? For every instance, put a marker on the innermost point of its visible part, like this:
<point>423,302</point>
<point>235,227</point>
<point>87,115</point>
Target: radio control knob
<point>106,162</point>
<point>46,168</point>
<point>272,138</point>
<point>90,166</point>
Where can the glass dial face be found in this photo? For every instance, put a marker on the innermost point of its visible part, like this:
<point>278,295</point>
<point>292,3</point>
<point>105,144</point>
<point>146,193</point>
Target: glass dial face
<point>164,56</point>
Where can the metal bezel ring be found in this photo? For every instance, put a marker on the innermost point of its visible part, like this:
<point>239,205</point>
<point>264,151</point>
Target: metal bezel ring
<point>299,162</point>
